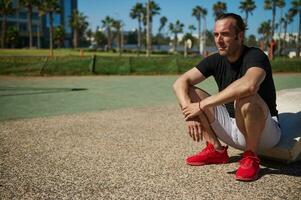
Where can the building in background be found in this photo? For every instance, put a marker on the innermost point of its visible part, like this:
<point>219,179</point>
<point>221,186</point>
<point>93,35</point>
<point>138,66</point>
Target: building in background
<point>40,24</point>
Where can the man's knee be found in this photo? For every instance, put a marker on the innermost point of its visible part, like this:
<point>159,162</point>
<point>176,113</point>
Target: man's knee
<point>251,104</point>
<point>196,94</point>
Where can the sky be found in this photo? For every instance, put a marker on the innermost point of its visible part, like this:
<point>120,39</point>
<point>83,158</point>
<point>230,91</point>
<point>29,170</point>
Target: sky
<point>96,10</point>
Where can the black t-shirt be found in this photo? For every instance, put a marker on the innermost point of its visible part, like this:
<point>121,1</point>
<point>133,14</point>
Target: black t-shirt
<point>225,73</point>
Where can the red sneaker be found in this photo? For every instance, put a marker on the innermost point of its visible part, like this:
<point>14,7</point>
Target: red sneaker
<point>249,167</point>
<point>208,156</point>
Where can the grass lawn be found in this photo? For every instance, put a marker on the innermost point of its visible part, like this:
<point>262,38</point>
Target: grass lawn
<point>63,52</point>
<point>27,97</point>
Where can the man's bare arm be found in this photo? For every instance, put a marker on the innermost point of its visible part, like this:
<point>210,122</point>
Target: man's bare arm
<point>245,86</point>
<point>182,84</point>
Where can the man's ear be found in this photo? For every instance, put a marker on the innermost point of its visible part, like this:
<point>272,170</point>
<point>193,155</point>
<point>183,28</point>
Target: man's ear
<point>241,36</point>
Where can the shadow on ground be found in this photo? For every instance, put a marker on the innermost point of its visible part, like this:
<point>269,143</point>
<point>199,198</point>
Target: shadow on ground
<point>274,167</point>
<point>18,91</point>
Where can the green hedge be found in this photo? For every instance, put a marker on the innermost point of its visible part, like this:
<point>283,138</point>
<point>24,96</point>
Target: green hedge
<point>21,65</point>
<point>71,65</point>
<point>286,65</point>
<point>75,65</point>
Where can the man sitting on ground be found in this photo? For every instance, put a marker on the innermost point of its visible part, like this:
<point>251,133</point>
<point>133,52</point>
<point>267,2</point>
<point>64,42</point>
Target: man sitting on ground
<point>243,113</point>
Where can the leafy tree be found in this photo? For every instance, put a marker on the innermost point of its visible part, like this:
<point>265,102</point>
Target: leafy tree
<point>251,41</point>
<point>50,7</point>
<point>107,23</point>
<point>131,37</point>
<point>100,38</point>
<point>137,13</point>
<point>78,21</point>
<point>89,34</point>
<point>287,19</point>
<point>163,21</point>
<point>219,8</point>
<point>265,29</point>
<point>176,28</point>
<point>12,37</point>
<point>198,12</point>
<point>59,35</point>
<point>296,10</point>
<point>117,25</point>
<point>30,4</point>
<point>41,14</point>
<point>154,9</point>
<point>271,5</point>
<point>247,6</point>
<point>190,37</point>
<point>6,8</point>
<point>209,38</point>
<point>191,28</point>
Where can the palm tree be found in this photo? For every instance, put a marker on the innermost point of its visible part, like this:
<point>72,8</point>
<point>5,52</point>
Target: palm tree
<point>50,7</point>
<point>78,21</point>
<point>163,21</point>
<point>296,9</point>
<point>192,28</point>
<point>59,35</point>
<point>12,36</point>
<point>137,13</point>
<point>30,4</point>
<point>265,30</point>
<point>197,13</point>
<point>6,8</point>
<point>175,29</point>
<point>281,21</point>
<point>89,34</point>
<point>272,5</point>
<point>41,14</point>
<point>203,43</point>
<point>152,9</point>
<point>117,25</point>
<point>107,23</point>
<point>219,8</point>
<point>247,6</point>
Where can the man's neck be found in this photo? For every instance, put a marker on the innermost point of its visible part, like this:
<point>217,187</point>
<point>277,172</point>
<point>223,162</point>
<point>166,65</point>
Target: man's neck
<point>233,58</point>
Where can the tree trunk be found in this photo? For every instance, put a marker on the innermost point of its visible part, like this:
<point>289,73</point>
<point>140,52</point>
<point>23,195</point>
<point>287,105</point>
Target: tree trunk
<point>273,19</point>
<point>51,33</point>
<point>30,26</point>
<point>148,29</point>
<point>247,16</point>
<point>139,35</point>
<point>199,35</point>
<point>109,39</point>
<point>39,32</point>
<point>285,31</point>
<point>3,36</point>
<point>121,42</point>
<point>176,41</point>
<point>204,35</point>
<point>299,34</point>
<point>75,38</point>
<point>280,29</point>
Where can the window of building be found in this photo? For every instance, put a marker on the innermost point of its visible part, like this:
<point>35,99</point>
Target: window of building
<point>22,15</point>
<point>23,27</point>
<point>35,16</point>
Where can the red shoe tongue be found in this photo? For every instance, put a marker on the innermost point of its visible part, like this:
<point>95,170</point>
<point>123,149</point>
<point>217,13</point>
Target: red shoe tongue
<point>248,153</point>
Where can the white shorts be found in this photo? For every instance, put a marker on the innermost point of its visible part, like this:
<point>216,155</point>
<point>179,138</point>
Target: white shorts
<point>227,131</point>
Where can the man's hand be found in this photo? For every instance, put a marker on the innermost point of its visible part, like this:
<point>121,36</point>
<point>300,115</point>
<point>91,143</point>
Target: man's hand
<point>192,110</point>
<point>195,129</point>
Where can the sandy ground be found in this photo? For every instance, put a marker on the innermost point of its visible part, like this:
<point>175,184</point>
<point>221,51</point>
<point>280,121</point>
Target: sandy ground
<point>135,153</point>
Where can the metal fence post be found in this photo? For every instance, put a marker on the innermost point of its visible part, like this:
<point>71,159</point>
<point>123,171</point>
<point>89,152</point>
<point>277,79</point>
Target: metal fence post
<point>92,64</point>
